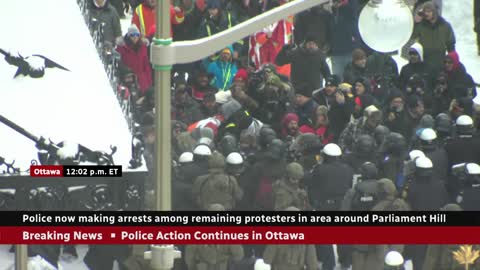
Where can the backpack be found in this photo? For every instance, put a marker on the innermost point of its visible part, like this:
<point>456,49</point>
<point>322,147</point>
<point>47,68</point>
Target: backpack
<point>363,199</point>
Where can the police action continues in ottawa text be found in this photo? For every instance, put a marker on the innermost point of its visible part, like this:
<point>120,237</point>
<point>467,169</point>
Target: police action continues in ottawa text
<point>219,235</point>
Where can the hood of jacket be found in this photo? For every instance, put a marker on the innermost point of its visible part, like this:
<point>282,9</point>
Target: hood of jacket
<point>419,49</point>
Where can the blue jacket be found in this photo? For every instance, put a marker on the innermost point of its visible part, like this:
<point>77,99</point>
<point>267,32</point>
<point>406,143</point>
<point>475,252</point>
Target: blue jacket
<point>223,73</point>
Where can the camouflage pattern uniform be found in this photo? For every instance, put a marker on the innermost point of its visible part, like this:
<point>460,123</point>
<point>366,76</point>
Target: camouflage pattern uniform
<point>216,187</point>
<point>212,257</point>
<point>291,257</point>
<point>286,192</point>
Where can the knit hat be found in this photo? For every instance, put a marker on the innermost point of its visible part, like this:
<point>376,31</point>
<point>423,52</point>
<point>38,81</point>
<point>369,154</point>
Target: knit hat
<point>332,80</point>
<point>211,4</point>
<point>133,29</point>
<point>358,54</point>
<point>455,59</point>
<point>242,74</point>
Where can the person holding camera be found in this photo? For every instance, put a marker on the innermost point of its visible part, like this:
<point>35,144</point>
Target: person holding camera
<point>435,34</point>
<point>339,104</point>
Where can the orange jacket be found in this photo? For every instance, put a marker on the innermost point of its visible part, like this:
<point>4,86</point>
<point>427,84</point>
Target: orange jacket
<point>144,18</point>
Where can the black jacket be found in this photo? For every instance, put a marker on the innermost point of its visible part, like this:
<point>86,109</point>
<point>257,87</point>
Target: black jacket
<point>314,22</point>
<point>427,194</point>
<point>328,181</point>
<point>338,114</point>
<point>306,67</point>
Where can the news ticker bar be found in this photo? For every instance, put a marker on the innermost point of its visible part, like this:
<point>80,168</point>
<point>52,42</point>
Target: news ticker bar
<point>239,235</point>
<point>238,218</point>
<point>75,171</point>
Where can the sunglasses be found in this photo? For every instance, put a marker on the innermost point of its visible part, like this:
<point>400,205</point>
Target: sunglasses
<point>449,62</point>
<point>134,34</point>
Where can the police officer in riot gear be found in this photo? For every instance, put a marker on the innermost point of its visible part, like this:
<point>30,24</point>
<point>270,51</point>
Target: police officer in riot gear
<point>328,182</point>
<point>443,127</point>
<point>435,152</point>
<point>362,196</point>
<point>393,155</point>
<point>326,185</point>
<point>181,185</point>
<point>364,150</point>
<point>425,193</point>
<point>467,179</point>
<point>306,149</point>
<point>228,144</point>
<point>464,147</point>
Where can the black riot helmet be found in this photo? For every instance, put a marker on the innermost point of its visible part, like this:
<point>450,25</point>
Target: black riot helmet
<point>277,150</point>
<point>369,171</point>
<point>365,145</point>
<point>266,136</point>
<point>228,144</point>
<point>380,134</point>
<point>395,144</point>
<point>443,124</point>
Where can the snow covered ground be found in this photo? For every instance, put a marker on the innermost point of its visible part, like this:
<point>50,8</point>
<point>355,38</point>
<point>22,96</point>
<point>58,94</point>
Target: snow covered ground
<point>77,106</point>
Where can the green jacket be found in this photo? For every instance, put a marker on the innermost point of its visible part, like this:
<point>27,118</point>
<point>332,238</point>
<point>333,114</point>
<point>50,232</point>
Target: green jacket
<point>436,39</point>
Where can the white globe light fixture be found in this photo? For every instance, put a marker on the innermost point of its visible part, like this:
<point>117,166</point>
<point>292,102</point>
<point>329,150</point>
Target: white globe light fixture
<point>386,25</point>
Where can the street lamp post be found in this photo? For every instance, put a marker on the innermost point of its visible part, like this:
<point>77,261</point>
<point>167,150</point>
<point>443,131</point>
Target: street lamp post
<point>165,53</point>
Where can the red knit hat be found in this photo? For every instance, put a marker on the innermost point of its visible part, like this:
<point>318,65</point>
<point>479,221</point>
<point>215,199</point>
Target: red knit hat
<point>242,74</point>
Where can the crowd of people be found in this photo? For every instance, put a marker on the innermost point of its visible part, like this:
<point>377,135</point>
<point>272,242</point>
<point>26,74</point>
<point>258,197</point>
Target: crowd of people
<point>302,115</point>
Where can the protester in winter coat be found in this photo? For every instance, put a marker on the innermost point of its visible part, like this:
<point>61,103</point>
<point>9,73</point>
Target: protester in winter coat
<point>435,34</point>
<point>308,63</point>
<point>363,98</point>
<point>458,79</point>
<point>415,65</point>
<point>104,12</point>
<point>320,125</point>
<point>223,70</point>
<point>217,20</point>
<point>243,9</point>
<point>383,65</point>
<point>340,105</point>
<point>144,17</point>
<point>395,115</point>
<point>356,68</point>
<point>315,22</point>
<point>134,54</point>
<point>344,34</point>
<point>372,117</point>
<point>290,126</point>
<point>194,13</point>
<point>305,106</point>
